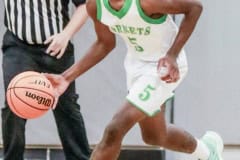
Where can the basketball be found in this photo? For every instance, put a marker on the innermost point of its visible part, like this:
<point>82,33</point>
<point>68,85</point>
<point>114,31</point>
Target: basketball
<point>30,95</point>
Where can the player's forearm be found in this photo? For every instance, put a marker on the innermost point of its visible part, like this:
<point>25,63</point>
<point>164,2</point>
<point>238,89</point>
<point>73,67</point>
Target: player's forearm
<point>77,20</point>
<point>185,30</point>
<point>95,54</point>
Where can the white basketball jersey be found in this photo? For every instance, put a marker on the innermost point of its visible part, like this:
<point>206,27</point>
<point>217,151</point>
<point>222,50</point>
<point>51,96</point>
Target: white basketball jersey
<point>146,38</point>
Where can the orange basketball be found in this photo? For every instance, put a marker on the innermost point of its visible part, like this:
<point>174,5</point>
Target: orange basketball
<point>30,95</point>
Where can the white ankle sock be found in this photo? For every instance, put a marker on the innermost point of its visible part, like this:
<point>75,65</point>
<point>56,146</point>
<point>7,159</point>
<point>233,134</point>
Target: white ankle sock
<point>201,152</point>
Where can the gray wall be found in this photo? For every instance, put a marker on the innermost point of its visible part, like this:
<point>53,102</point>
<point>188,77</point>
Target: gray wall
<point>207,99</point>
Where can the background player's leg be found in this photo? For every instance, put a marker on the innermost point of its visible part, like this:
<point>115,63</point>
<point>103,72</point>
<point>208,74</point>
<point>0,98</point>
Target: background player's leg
<point>155,131</point>
<point>123,120</point>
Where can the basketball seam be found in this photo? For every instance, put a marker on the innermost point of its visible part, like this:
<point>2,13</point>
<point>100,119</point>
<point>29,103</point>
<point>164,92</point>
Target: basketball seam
<point>13,104</point>
<point>15,108</point>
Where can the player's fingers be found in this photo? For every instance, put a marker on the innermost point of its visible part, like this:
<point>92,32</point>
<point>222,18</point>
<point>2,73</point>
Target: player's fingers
<point>161,63</point>
<point>56,95</point>
<point>165,78</point>
<point>45,74</point>
<point>54,79</point>
<point>163,71</point>
<point>169,80</point>
<point>174,75</point>
<point>48,76</point>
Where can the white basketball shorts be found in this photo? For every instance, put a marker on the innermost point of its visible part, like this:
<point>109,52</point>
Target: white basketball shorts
<point>147,91</point>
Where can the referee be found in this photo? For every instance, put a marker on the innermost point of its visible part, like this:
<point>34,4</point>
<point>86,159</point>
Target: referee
<point>37,38</point>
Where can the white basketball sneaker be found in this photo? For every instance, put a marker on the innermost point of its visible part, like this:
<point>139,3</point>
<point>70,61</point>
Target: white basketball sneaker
<point>215,144</point>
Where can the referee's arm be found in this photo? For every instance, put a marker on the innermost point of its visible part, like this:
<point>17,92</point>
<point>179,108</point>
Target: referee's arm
<point>78,18</point>
<point>59,42</point>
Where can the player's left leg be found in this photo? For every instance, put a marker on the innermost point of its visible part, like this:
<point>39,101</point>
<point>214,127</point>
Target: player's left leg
<point>123,120</point>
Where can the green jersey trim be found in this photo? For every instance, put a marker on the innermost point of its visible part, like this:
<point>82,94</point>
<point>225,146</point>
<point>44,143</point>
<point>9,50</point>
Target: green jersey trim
<point>99,10</point>
<point>149,19</point>
<point>122,12</point>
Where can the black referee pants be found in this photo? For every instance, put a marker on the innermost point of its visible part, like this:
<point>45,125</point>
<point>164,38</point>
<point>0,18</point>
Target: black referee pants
<point>18,57</point>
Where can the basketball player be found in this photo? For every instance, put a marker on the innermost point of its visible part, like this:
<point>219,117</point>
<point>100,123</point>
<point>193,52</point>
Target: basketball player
<point>38,39</point>
<point>155,65</point>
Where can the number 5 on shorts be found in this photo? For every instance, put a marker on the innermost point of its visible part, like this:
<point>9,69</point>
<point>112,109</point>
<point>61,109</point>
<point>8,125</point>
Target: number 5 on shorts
<point>145,95</point>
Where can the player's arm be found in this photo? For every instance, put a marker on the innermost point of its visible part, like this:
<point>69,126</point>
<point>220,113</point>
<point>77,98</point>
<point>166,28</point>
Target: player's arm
<point>104,43</point>
<point>191,9</point>
<point>58,42</point>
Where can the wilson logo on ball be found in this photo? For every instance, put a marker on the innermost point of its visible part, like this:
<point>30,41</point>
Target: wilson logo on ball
<point>41,100</point>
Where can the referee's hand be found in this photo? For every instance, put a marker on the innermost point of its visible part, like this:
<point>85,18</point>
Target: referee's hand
<point>57,44</point>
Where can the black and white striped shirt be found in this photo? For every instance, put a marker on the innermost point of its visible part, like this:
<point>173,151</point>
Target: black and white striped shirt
<point>33,21</point>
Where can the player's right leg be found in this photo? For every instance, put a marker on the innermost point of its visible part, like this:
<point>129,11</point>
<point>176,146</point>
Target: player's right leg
<point>110,144</point>
<point>155,132</point>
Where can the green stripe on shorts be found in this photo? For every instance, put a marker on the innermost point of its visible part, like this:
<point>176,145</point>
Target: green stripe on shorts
<point>138,107</point>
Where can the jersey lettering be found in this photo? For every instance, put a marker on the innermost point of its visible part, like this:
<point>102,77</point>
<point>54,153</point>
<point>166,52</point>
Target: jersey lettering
<point>131,30</point>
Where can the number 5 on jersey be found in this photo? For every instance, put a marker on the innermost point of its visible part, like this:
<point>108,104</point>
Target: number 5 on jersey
<point>133,41</point>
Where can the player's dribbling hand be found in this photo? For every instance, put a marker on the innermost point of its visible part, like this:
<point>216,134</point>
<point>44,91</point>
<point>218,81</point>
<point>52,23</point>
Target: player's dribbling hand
<point>58,82</point>
<point>168,69</point>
